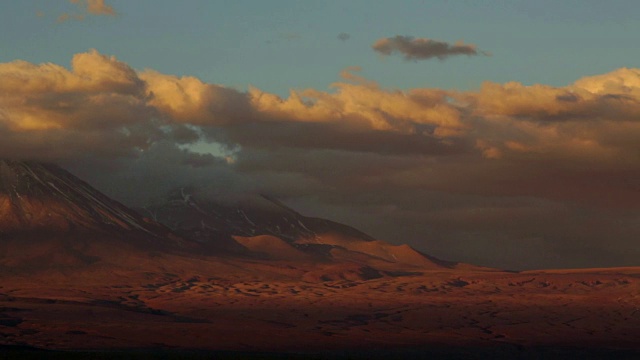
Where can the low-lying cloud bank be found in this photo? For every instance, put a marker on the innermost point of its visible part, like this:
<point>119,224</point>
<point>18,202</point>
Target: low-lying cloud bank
<point>545,174</point>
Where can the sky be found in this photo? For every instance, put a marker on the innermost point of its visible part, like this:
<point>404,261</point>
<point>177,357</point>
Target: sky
<point>502,133</point>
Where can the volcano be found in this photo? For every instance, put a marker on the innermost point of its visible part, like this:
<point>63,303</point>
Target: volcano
<point>48,215</point>
<point>36,197</point>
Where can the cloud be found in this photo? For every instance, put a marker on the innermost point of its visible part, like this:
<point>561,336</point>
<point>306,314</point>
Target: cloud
<point>189,100</point>
<point>588,123</point>
<point>591,125</point>
<point>423,48</point>
<point>343,36</point>
<point>64,17</point>
<point>87,7</point>
<point>548,169</point>
<point>96,7</point>
<point>289,36</point>
<point>99,107</point>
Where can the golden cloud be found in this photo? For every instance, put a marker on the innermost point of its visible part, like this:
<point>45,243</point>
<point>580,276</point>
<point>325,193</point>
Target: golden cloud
<point>87,7</point>
<point>591,124</point>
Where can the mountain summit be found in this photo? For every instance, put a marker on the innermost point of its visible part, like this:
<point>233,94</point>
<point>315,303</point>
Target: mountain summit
<point>43,197</point>
<point>50,218</point>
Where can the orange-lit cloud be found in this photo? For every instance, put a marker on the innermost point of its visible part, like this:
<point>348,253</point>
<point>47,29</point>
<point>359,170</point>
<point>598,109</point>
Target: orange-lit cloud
<point>98,107</point>
<point>423,48</point>
<point>591,121</point>
<point>189,100</point>
<point>96,7</point>
<point>87,7</point>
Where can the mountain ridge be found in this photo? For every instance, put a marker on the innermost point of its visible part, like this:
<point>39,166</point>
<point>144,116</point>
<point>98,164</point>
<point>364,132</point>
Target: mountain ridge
<point>37,195</point>
<point>44,201</point>
<point>264,225</point>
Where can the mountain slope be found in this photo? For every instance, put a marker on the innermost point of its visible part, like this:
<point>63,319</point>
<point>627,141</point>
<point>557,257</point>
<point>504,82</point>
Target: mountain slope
<point>260,224</point>
<point>245,215</point>
<point>35,196</point>
<point>48,216</point>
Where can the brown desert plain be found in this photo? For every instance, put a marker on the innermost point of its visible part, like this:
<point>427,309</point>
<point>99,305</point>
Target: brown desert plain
<point>136,289</point>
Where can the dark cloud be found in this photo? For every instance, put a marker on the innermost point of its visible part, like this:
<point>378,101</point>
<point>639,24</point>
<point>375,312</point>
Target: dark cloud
<point>344,36</point>
<point>338,136</point>
<point>422,48</point>
<point>148,177</point>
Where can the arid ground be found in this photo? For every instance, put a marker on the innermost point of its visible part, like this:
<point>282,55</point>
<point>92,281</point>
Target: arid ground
<point>224,304</point>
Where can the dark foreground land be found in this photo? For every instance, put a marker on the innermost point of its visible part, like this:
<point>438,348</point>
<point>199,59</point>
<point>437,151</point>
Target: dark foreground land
<point>497,352</point>
<point>230,308</point>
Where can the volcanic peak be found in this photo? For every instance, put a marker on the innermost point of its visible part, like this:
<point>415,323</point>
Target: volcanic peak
<point>43,197</point>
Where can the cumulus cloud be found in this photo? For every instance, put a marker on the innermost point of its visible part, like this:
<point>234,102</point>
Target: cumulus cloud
<point>99,107</point>
<point>423,48</point>
<point>591,124</point>
<point>453,173</point>
<point>87,7</point>
<point>588,122</point>
<point>189,100</point>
